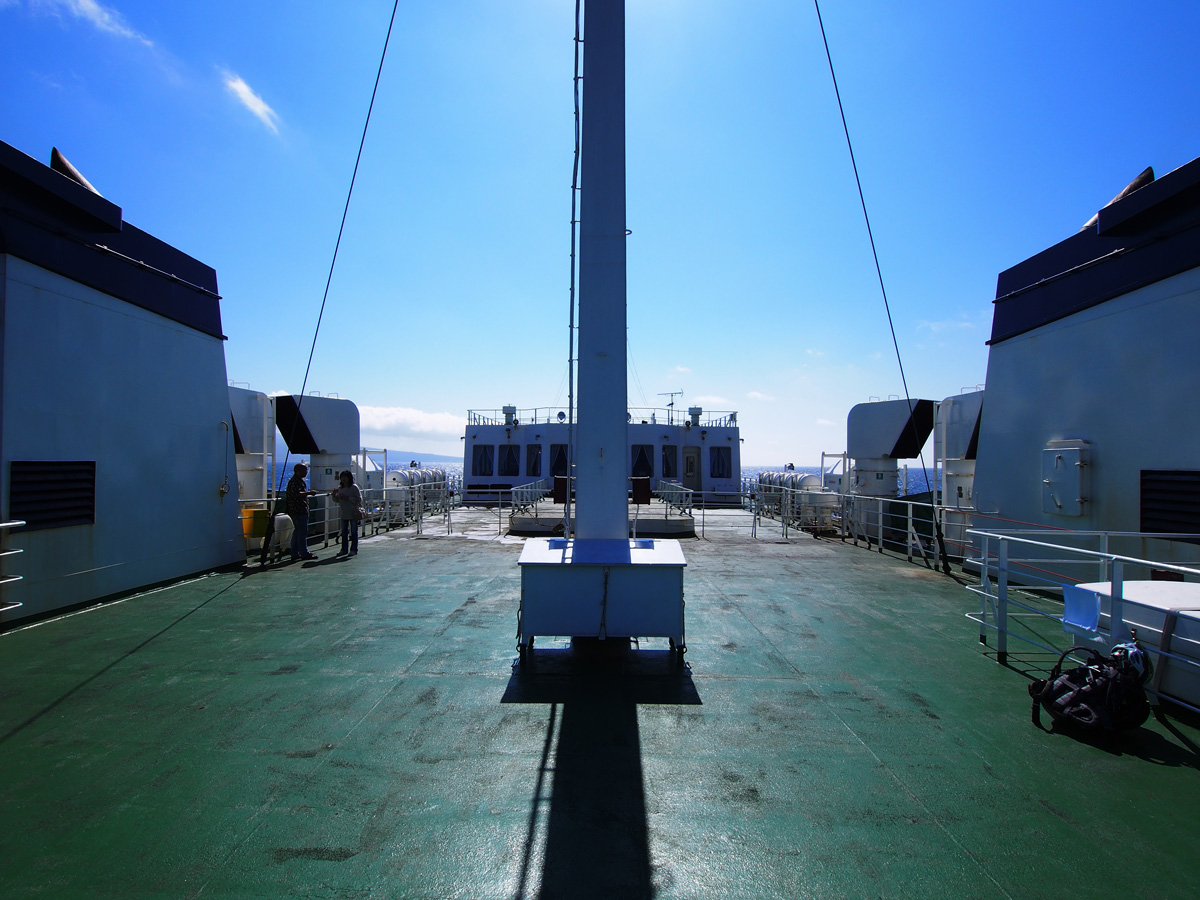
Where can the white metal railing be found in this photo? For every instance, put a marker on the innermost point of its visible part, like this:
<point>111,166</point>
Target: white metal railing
<point>9,579</point>
<point>675,496</point>
<point>387,508</point>
<point>545,415</point>
<point>538,415</point>
<point>1022,573</point>
<point>526,496</point>
<point>903,526</point>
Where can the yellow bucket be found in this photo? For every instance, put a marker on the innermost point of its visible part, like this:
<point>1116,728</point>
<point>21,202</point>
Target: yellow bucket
<point>254,522</point>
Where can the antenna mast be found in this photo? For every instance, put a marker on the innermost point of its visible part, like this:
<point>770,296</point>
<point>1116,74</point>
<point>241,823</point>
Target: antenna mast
<point>671,405</point>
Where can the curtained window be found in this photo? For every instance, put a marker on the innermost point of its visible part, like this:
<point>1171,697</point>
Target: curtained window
<point>720,462</point>
<point>643,461</point>
<point>481,459</point>
<point>558,459</point>
<point>670,461</point>
<point>510,460</point>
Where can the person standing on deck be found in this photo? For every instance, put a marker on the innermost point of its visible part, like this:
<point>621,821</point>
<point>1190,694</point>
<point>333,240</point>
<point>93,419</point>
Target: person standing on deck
<point>297,510</point>
<point>349,499</point>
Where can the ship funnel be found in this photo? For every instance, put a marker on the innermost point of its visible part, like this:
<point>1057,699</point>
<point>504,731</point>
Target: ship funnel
<point>1138,183</point>
<point>62,166</point>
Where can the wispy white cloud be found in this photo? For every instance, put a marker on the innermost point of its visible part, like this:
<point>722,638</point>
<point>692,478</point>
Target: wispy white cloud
<point>246,96</point>
<point>825,422</point>
<point>759,395</point>
<point>99,16</point>
<point>404,423</point>
<point>815,353</point>
<point>710,400</point>
<point>946,325</point>
<point>681,370</point>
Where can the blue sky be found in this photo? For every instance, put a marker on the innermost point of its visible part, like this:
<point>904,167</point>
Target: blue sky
<point>984,133</point>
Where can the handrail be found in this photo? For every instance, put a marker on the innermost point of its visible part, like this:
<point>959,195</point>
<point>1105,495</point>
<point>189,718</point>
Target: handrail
<point>1011,602</point>
<point>675,496</point>
<point>387,508</point>
<point>11,579</point>
<point>1007,535</point>
<point>525,496</point>
<point>546,415</point>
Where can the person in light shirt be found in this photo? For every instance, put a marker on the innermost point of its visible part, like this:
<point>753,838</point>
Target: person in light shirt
<point>349,499</point>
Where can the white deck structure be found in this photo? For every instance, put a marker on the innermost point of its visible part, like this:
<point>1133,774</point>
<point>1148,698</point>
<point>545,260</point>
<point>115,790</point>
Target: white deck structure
<point>600,583</point>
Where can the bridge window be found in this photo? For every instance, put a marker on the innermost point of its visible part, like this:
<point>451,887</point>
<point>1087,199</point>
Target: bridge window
<point>720,463</point>
<point>558,459</point>
<point>510,460</point>
<point>482,456</point>
<point>670,461</point>
<point>643,460</point>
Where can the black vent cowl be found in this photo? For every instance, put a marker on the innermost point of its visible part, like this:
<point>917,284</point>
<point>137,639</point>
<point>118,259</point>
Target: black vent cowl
<point>52,493</point>
<point>1170,501</point>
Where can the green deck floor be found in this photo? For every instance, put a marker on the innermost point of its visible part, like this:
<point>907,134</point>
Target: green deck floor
<point>355,729</point>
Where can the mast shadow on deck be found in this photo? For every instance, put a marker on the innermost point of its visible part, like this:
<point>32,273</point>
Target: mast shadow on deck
<point>596,836</point>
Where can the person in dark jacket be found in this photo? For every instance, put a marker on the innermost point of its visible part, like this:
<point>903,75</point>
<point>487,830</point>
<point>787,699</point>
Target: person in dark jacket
<point>297,510</point>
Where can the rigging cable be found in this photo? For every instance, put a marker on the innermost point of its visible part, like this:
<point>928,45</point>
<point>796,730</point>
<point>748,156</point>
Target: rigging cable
<point>633,369</point>
<point>883,290</point>
<point>571,326</point>
<point>341,228</point>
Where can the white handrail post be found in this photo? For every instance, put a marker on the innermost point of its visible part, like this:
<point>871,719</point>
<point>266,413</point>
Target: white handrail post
<point>909,526</point>
<point>879,511</point>
<point>1117,629</point>
<point>985,586</point>
<point>1002,605</point>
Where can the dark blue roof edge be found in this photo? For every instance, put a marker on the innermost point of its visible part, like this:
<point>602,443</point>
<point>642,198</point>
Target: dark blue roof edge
<point>60,188</point>
<point>1173,190</point>
<point>57,224</point>
<point>1150,235</point>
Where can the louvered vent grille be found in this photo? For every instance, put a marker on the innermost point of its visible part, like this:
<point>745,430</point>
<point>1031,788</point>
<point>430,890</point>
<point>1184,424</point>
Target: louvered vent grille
<point>52,494</point>
<point>1171,501</point>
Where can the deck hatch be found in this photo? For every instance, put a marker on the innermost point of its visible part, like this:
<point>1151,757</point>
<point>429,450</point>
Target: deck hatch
<point>1170,501</point>
<point>52,493</point>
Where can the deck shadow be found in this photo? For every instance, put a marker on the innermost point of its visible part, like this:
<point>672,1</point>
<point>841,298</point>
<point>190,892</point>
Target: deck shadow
<point>563,675</point>
<point>597,842</point>
<point>17,729</point>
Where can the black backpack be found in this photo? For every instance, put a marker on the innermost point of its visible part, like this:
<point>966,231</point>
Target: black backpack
<point>1105,694</point>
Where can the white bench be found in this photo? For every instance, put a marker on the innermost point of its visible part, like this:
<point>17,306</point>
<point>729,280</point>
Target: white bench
<point>1166,615</point>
